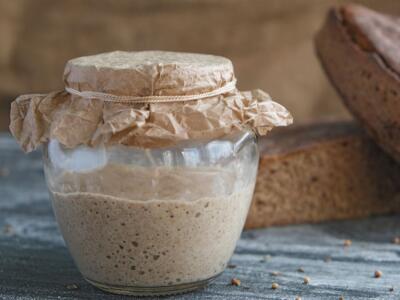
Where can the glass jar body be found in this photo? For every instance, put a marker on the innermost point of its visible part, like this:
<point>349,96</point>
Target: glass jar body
<point>152,221</point>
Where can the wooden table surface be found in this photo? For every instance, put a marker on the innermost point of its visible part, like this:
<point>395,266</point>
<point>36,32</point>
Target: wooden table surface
<point>35,264</point>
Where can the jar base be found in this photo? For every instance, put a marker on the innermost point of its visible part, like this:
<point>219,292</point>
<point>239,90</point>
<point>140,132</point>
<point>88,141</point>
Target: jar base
<point>154,290</point>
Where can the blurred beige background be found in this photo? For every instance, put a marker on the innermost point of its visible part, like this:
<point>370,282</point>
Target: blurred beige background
<point>269,41</point>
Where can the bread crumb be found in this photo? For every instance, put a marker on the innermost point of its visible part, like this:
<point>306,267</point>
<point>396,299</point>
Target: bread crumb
<point>347,243</point>
<point>396,240</point>
<point>275,273</point>
<point>378,274</point>
<point>235,282</point>
<point>306,280</point>
<point>274,286</point>
<point>72,287</point>
<point>301,270</point>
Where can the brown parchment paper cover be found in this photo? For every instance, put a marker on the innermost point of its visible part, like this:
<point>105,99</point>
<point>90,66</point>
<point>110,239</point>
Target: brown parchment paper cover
<point>75,120</point>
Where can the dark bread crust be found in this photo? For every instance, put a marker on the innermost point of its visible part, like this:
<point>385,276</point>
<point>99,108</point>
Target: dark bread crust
<point>322,171</point>
<point>363,71</point>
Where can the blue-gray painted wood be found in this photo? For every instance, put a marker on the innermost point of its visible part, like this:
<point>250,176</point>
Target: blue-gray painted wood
<point>34,263</point>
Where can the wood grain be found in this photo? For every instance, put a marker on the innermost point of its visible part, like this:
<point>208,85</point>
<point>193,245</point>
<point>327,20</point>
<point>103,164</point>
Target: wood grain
<point>35,264</point>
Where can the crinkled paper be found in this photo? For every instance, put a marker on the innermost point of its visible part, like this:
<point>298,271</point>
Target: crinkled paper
<point>74,121</point>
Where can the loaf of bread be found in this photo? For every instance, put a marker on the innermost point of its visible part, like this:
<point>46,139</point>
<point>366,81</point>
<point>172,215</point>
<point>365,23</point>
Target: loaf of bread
<point>360,52</point>
<point>322,171</point>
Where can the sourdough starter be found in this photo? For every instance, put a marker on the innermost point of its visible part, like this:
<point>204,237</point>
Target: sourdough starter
<point>139,227</point>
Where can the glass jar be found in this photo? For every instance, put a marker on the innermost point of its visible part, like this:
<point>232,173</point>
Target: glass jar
<point>150,159</point>
<point>152,221</point>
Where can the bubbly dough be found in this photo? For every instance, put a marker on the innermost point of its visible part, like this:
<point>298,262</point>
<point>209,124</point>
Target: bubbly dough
<point>118,240</point>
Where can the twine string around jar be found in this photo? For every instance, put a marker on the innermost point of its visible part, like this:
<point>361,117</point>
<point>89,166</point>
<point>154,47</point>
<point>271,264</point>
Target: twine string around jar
<point>230,86</point>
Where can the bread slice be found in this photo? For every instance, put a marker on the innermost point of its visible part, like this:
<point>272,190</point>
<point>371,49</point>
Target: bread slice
<point>360,52</point>
<point>322,171</point>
